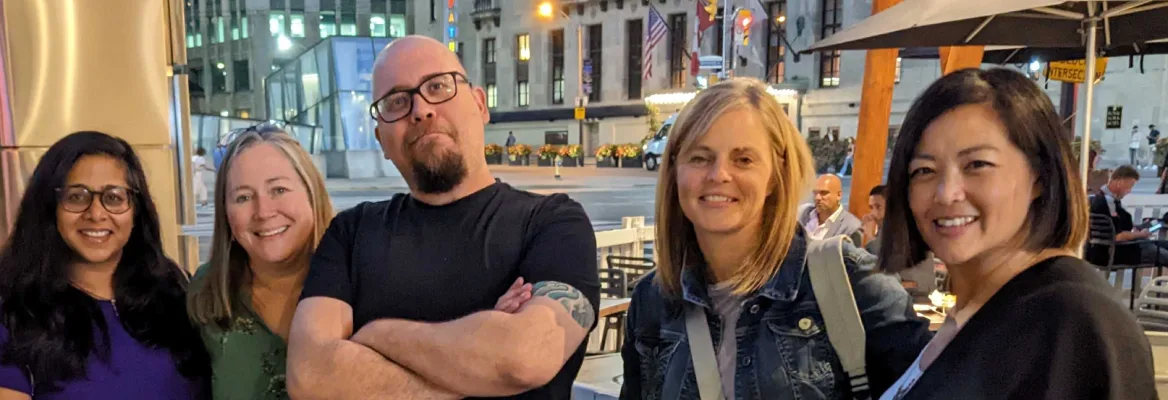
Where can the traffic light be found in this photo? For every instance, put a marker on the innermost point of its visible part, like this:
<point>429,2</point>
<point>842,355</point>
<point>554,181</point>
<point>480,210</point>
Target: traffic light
<point>712,9</point>
<point>745,19</point>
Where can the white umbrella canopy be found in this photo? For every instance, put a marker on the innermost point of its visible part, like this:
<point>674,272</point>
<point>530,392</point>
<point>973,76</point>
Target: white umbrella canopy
<point>1032,23</point>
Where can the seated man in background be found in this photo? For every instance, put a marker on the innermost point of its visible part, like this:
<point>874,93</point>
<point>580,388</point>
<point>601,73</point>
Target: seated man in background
<point>827,217</point>
<point>1109,202</point>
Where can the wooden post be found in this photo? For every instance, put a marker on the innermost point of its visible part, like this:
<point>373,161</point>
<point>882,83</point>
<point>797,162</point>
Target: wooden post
<point>875,110</point>
<point>954,58</point>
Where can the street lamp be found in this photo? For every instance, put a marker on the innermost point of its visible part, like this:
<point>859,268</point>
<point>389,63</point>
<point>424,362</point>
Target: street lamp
<point>545,10</point>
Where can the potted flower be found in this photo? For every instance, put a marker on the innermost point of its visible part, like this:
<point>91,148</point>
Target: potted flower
<point>606,156</point>
<point>571,156</point>
<point>494,153</point>
<point>546,155</point>
<point>630,155</point>
<point>519,154</point>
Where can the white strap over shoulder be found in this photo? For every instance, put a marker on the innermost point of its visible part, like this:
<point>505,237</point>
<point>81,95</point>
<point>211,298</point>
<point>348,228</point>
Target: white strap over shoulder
<point>837,304</point>
<point>701,348</point>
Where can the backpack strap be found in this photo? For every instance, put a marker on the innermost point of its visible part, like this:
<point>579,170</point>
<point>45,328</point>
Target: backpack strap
<point>837,304</point>
<point>701,348</point>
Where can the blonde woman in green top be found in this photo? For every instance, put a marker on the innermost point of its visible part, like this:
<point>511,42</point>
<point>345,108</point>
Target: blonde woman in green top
<point>271,208</point>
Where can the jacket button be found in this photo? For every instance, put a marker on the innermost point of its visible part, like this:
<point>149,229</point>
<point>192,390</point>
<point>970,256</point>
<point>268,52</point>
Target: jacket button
<point>805,323</point>
<point>754,309</point>
<point>746,361</point>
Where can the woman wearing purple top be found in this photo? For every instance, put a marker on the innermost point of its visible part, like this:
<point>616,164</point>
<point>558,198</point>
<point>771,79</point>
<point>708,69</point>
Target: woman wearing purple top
<point>92,308</point>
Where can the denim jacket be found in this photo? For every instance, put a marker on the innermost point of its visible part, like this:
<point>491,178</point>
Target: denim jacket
<point>780,355</point>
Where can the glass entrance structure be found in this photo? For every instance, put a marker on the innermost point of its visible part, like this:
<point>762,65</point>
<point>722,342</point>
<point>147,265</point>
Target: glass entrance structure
<point>330,86</point>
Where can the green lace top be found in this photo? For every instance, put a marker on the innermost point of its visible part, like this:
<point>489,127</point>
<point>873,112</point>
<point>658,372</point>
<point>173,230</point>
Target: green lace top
<point>247,359</point>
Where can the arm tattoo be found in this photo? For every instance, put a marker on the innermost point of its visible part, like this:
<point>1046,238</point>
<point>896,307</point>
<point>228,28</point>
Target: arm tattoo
<point>570,298</point>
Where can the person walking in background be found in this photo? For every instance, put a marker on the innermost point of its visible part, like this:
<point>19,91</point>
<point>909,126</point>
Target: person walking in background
<point>983,176</point>
<point>846,168</point>
<point>198,167</point>
<point>510,139</point>
<point>1134,146</point>
<point>92,307</point>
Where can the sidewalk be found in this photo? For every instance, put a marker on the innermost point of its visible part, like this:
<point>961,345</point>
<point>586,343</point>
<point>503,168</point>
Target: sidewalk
<point>522,177</point>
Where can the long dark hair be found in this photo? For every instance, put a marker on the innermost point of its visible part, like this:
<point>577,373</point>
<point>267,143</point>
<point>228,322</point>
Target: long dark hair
<point>1057,219</point>
<point>50,323</point>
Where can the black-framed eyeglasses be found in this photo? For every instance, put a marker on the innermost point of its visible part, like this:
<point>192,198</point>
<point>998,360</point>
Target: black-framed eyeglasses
<point>78,198</point>
<point>398,104</point>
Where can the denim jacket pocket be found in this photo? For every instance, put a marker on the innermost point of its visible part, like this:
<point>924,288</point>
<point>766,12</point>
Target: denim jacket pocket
<point>807,353</point>
<point>656,350</point>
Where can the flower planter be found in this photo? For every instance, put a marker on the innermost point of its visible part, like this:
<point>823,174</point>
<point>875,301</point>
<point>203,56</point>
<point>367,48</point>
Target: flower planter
<point>546,162</point>
<point>519,160</point>
<point>607,162</point>
<point>631,162</point>
<point>571,161</point>
<point>495,159</point>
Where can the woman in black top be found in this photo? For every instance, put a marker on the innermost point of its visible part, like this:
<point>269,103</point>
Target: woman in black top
<point>982,175</point>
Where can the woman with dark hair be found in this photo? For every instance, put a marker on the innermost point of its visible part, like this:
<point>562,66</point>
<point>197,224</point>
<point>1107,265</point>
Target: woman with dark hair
<point>983,176</point>
<point>91,305</point>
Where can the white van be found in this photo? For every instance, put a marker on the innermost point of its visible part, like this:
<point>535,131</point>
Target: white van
<point>655,147</point>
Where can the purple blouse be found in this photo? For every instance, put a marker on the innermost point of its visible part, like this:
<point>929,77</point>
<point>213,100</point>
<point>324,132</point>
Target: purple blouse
<point>133,372</point>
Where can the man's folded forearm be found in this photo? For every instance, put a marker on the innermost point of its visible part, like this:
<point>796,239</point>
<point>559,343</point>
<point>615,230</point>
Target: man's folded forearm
<point>348,370</point>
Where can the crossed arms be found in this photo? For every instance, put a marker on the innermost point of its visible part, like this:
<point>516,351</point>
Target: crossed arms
<point>488,353</point>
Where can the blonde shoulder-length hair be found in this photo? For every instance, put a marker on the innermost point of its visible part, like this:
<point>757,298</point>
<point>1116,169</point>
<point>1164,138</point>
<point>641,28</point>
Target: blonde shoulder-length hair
<point>212,298</point>
<point>790,182</point>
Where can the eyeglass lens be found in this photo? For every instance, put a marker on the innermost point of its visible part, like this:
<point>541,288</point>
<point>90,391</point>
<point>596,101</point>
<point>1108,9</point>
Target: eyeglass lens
<point>438,89</point>
<point>78,199</point>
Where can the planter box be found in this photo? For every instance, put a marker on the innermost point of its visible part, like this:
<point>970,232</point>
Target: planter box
<point>495,159</point>
<point>607,162</point>
<point>546,162</point>
<point>634,162</point>
<point>572,161</point>
<point>519,160</point>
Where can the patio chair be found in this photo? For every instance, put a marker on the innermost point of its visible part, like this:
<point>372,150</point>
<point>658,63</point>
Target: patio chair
<point>613,285</point>
<point>634,267</point>
<point>1102,236</point>
<point>1152,308</point>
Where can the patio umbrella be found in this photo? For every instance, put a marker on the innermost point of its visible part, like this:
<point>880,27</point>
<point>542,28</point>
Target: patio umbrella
<point>1003,55</point>
<point>1030,23</point>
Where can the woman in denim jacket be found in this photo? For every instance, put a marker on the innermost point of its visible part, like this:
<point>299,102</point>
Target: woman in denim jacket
<point>729,244</point>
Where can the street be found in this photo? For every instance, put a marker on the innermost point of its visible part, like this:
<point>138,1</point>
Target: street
<point>607,194</point>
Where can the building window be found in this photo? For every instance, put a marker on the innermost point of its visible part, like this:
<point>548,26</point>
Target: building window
<point>242,74</point>
<point>833,132</point>
<point>489,51</point>
<point>243,27</point>
<point>219,30</point>
<point>348,24</point>
<point>234,29</point>
<point>557,53</point>
<point>829,62</point>
<point>377,26</point>
<point>433,10</point>
<point>492,95</point>
<point>776,47</point>
<point>190,40</point>
<point>813,133</point>
<point>524,42</point>
<point>328,24</point>
<point>397,25</point>
<point>244,113</point>
<point>219,79</point>
<point>522,94</point>
<point>634,36</point>
<point>677,48</point>
<point>595,55</point>
<point>276,24</point>
<point>297,25</point>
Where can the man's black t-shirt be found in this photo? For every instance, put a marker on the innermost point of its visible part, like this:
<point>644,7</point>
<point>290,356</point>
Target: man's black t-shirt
<point>405,259</point>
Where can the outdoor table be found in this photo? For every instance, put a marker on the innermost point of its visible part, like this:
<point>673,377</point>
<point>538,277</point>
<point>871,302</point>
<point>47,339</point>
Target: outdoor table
<point>614,306</point>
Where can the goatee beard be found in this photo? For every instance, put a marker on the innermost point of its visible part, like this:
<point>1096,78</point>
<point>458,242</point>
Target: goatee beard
<point>447,171</point>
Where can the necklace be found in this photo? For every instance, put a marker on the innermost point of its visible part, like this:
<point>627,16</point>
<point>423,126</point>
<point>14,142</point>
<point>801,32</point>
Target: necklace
<point>113,302</point>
